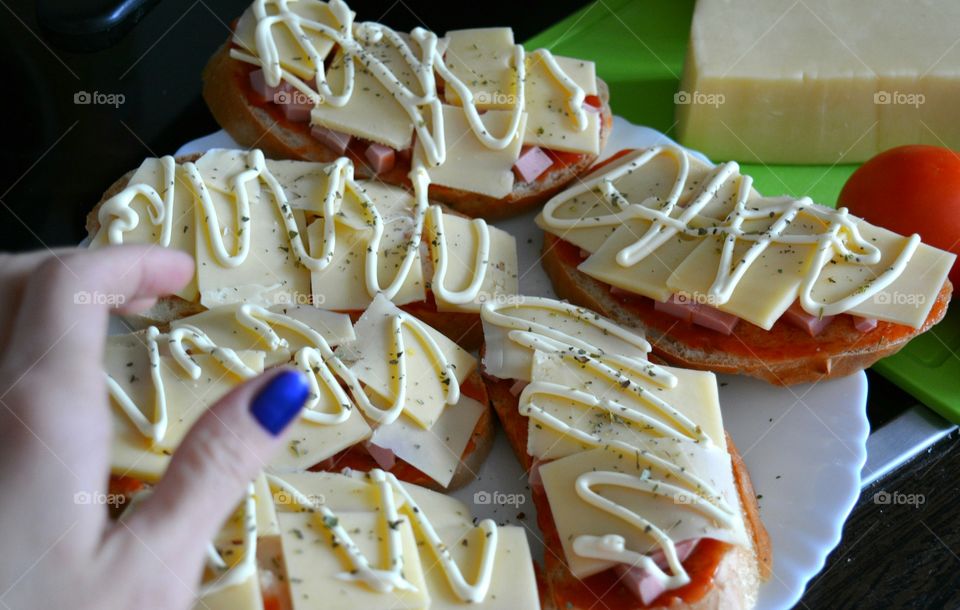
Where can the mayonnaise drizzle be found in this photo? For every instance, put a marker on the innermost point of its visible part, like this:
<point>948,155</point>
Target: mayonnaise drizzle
<point>481,259</point>
<point>351,38</point>
<point>119,217</point>
<point>247,566</point>
<point>841,237</point>
<point>389,489</point>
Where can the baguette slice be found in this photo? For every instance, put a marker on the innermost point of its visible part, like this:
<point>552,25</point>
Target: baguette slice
<point>461,327</point>
<point>226,90</point>
<point>784,355</point>
<point>735,583</point>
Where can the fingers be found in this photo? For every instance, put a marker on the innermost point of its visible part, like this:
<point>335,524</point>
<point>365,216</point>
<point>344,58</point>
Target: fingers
<point>210,471</point>
<point>66,300</point>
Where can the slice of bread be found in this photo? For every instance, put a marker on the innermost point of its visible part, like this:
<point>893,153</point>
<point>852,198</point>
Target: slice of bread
<point>464,328</point>
<point>227,92</point>
<point>784,355</point>
<point>736,581</point>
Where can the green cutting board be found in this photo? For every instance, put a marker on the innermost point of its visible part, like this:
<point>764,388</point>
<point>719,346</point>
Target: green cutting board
<point>639,47</point>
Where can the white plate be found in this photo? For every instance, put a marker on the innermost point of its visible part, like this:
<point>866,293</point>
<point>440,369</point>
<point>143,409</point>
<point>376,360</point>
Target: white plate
<point>804,445</point>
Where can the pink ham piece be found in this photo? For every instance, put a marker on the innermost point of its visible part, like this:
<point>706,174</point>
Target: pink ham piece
<point>518,386</point>
<point>334,140</point>
<point>531,164</point>
<point>814,325</point>
<point>864,325</point>
<point>297,113</point>
<point>385,458</point>
<point>263,91</point>
<point>677,307</point>
<point>643,584</point>
<point>714,319</point>
<point>380,158</point>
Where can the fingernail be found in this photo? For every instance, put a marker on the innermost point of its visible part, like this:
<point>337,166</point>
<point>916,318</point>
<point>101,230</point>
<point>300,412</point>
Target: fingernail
<point>280,401</point>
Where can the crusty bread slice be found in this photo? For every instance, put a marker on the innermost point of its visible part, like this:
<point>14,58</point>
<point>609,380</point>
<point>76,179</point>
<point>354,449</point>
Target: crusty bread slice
<point>461,327</point>
<point>783,356</point>
<point>737,579</point>
<point>226,91</point>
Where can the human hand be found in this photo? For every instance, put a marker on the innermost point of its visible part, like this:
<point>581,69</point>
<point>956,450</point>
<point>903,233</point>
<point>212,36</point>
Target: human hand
<point>55,438</point>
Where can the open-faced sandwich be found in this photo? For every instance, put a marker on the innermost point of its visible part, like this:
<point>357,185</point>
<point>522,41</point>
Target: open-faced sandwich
<point>491,129</point>
<point>358,540</point>
<point>724,279</point>
<point>642,498</point>
<point>270,232</point>
<point>387,392</point>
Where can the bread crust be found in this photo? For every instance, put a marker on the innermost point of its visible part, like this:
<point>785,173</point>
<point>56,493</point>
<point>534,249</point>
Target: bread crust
<point>225,91</point>
<point>577,287</point>
<point>740,572</point>
<point>463,328</point>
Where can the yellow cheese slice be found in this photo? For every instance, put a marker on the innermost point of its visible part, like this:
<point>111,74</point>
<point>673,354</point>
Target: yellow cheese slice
<point>482,59</point>
<point>243,596</point>
<point>341,493</point>
<point>127,362</point>
<point>695,396</point>
<point>370,357</point>
<point>372,112</point>
<point>293,56</point>
<point>183,226</point>
<point>309,443</point>
<point>470,165</point>
<point>674,514</point>
<point>550,120</point>
<point>187,399</point>
<point>313,563</point>
<point>269,274</point>
<point>500,268</point>
<point>908,299</point>
<point>435,452</point>
<point>304,183</point>
<point>267,524</point>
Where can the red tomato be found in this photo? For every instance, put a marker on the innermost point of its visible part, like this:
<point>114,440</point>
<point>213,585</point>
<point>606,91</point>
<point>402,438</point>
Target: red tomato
<point>911,189</point>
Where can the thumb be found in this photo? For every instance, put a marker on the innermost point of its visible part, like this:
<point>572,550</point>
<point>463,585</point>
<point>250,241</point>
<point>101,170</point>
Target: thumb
<point>211,469</point>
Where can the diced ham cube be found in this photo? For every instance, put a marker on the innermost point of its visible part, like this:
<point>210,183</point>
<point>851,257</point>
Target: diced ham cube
<point>263,91</point>
<point>380,158</point>
<point>296,112</point>
<point>642,583</point>
<point>385,458</point>
<point>531,164</point>
<point>336,141</point>
<point>864,325</point>
<point>814,325</point>
<point>677,307</point>
<point>518,386</point>
<point>714,319</point>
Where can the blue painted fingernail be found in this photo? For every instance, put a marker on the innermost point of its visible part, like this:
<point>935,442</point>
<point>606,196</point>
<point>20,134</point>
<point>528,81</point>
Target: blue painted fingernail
<point>280,401</point>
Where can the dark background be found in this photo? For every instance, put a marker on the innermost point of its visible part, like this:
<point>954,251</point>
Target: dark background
<point>59,157</point>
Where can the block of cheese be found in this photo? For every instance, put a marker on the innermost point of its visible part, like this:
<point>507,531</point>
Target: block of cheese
<point>819,81</point>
